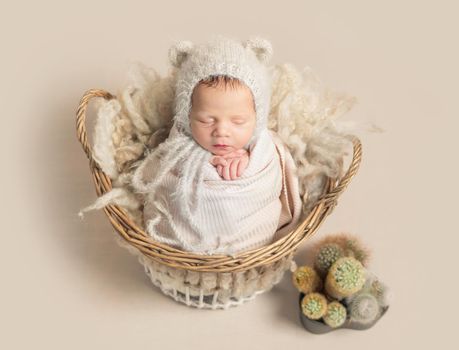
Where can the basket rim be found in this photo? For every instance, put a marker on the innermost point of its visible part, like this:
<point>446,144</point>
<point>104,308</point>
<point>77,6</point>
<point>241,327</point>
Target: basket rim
<point>173,257</point>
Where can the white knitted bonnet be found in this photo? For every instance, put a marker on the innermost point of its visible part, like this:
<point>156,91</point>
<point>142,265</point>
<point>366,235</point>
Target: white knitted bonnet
<point>245,61</point>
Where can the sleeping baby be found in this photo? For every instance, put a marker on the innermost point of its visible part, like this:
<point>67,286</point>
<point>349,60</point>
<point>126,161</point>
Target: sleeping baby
<point>222,182</point>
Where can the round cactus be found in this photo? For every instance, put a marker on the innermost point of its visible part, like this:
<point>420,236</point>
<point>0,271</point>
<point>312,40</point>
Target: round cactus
<point>349,244</point>
<point>381,292</point>
<point>326,257</point>
<point>306,279</point>
<point>353,247</point>
<point>336,314</point>
<point>345,277</point>
<point>364,308</point>
<point>376,288</point>
<point>314,305</point>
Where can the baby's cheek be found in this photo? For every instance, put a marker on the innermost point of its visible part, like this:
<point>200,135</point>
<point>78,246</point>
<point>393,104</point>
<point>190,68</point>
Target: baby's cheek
<point>201,137</point>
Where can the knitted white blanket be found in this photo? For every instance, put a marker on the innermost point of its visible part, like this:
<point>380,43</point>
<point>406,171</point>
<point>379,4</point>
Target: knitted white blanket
<point>202,213</point>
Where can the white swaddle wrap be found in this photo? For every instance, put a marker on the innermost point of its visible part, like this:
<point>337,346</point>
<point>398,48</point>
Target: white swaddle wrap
<point>192,208</point>
<point>188,205</point>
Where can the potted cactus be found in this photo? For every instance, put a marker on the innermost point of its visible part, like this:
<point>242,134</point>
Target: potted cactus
<point>338,291</point>
<point>306,279</point>
<point>336,314</point>
<point>314,305</point>
<point>345,277</point>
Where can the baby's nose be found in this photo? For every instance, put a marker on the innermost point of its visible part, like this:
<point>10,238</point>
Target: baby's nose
<point>221,130</point>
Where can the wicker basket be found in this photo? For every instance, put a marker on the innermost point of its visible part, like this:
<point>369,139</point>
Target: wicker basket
<point>211,281</point>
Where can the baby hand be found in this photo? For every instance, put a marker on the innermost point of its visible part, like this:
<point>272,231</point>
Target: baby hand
<point>230,166</point>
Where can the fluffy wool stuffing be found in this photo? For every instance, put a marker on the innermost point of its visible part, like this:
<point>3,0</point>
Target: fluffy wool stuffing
<point>303,113</point>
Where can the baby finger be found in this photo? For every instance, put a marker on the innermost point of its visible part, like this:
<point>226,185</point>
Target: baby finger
<point>233,168</point>
<point>226,172</point>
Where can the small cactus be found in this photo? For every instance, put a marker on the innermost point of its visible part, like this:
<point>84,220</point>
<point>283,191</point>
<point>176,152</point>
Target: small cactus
<point>364,308</point>
<point>306,279</point>
<point>377,288</point>
<point>314,305</point>
<point>336,314</point>
<point>350,245</point>
<point>353,247</point>
<point>345,277</point>
<point>326,257</point>
<point>381,292</point>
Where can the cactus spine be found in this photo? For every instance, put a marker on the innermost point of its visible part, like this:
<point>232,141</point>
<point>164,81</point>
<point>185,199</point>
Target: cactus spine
<point>353,247</point>
<point>364,308</point>
<point>306,279</point>
<point>314,305</point>
<point>326,257</point>
<point>345,277</point>
<point>376,288</point>
<point>336,314</point>
<point>349,244</point>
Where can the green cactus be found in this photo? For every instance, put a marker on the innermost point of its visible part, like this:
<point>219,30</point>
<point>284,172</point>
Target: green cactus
<point>314,305</point>
<point>364,308</point>
<point>306,279</point>
<point>349,244</point>
<point>336,314</point>
<point>345,277</point>
<point>326,257</point>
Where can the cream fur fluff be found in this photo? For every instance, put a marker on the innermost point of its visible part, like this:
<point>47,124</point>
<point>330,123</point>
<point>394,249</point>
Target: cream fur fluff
<point>302,112</point>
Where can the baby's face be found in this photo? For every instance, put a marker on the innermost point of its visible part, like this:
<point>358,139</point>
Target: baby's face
<point>222,119</point>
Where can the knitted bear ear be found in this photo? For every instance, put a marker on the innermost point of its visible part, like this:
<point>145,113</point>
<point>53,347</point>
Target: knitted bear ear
<point>179,52</point>
<point>261,47</point>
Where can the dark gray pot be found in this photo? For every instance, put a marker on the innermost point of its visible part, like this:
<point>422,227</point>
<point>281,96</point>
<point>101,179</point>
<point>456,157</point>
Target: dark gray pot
<point>320,327</point>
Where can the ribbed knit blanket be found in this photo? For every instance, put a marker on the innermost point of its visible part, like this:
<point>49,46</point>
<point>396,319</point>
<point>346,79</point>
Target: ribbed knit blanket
<point>198,211</point>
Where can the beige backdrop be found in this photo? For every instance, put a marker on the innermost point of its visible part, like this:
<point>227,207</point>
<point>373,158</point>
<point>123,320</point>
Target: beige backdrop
<point>65,284</point>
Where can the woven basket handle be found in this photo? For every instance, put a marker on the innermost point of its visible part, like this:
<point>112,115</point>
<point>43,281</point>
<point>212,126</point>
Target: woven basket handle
<point>81,118</point>
<point>331,197</point>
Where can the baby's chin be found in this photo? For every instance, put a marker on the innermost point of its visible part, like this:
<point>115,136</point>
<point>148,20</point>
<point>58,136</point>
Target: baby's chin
<point>216,151</point>
<point>220,152</point>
